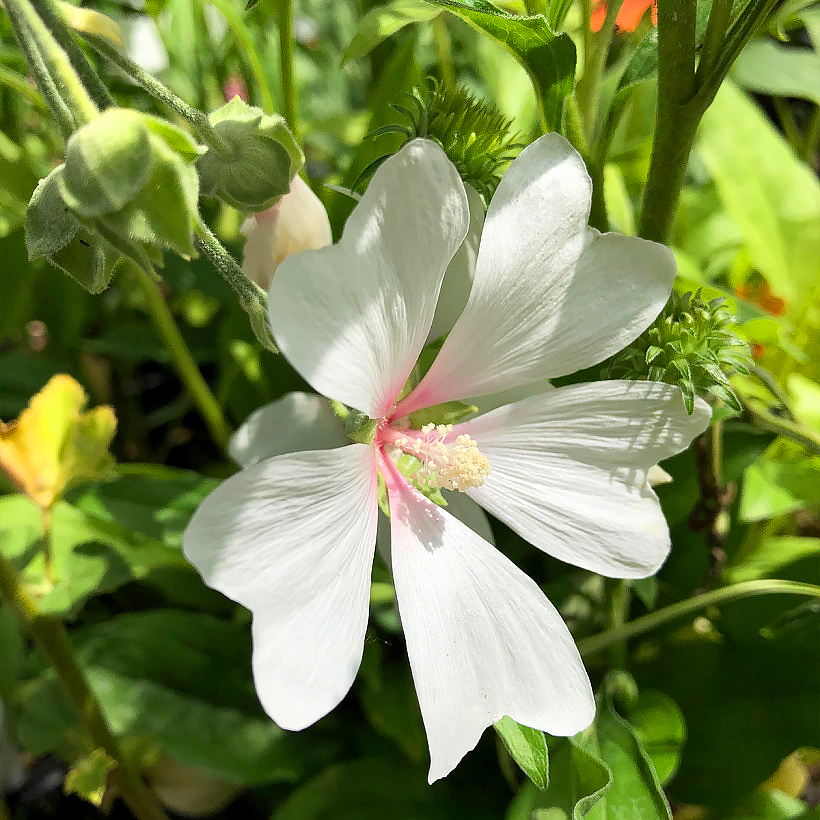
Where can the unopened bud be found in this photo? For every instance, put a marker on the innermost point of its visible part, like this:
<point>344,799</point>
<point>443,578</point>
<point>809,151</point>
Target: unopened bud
<point>298,222</point>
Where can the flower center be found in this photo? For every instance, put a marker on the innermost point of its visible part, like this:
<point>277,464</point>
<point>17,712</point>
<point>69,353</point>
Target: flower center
<point>457,464</point>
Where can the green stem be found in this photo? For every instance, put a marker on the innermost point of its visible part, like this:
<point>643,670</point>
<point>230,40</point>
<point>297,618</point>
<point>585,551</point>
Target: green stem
<point>574,130</point>
<point>252,298</point>
<point>57,63</point>
<point>88,76</point>
<point>184,362</point>
<point>285,12</point>
<point>240,31</point>
<point>787,121</point>
<point>445,52</point>
<point>691,606</point>
<point>785,427</point>
<point>676,117</point>
<point>40,72</point>
<point>713,38</point>
<point>812,139</point>
<point>588,85</point>
<point>157,90</point>
<point>5,814</point>
<point>50,635</point>
<point>619,597</point>
<point>19,85</point>
<point>574,126</point>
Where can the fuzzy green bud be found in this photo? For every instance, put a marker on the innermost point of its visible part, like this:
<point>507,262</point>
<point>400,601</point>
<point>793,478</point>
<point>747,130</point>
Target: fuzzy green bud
<point>691,344</point>
<point>257,159</point>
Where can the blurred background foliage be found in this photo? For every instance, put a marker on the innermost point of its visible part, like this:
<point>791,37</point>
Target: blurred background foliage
<point>715,712</point>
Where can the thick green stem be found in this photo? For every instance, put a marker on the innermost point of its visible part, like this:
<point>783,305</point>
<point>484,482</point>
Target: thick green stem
<point>88,76</point>
<point>157,90</point>
<point>252,298</point>
<point>56,62</point>
<point>184,363</point>
<point>677,118</point>
<point>39,70</point>
<point>690,607</point>
<point>51,637</point>
<point>285,12</point>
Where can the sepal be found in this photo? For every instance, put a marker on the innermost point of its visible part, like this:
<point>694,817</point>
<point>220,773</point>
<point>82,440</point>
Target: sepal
<point>258,159</point>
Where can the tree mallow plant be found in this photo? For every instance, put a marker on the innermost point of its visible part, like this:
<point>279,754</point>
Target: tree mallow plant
<point>292,536</point>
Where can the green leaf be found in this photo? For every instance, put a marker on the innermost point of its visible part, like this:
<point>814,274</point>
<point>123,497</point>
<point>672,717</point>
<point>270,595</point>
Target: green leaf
<point>771,195</point>
<point>768,556</point>
<point>372,789</point>
<point>528,748</point>
<point>182,680</point>
<point>780,71</point>
<point>449,412</point>
<point>260,159</point>
<point>383,21</point>
<point>660,727</point>
<point>773,487</point>
<point>548,58</point>
<point>88,777</point>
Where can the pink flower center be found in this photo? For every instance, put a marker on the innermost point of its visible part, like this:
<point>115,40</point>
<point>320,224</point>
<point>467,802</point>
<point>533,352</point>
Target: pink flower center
<point>447,461</point>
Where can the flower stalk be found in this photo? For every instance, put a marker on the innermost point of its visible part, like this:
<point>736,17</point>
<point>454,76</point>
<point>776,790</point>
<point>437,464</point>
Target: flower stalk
<point>690,607</point>
<point>184,363</point>
<point>150,84</point>
<point>51,637</point>
<point>62,75</point>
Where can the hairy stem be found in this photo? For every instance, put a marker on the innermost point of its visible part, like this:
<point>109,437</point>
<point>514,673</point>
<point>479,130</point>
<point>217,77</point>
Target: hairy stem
<point>88,76</point>
<point>39,70</point>
<point>56,63</point>
<point>252,298</point>
<point>157,90</point>
<point>690,607</point>
<point>50,635</point>
<point>182,358</point>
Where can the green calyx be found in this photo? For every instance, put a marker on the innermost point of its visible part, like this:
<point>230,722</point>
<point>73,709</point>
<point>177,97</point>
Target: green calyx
<point>127,188</point>
<point>473,133</point>
<point>691,344</point>
<point>256,161</point>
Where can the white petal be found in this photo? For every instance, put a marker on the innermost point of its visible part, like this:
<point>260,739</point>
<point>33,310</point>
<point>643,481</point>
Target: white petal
<point>295,423</point>
<point>292,539</point>
<point>482,638</point>
<point>568,470</point>
<point>455,289</point>
<point>297,222</point>
<point>352,318</point>
<point>550,295</point>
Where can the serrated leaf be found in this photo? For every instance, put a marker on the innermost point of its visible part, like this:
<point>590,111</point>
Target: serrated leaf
<point>547,57</point>
<point>528,748</point>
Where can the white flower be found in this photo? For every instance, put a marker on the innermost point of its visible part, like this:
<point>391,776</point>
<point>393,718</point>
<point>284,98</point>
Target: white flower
<point>297,222</point>
<point>292,535</point>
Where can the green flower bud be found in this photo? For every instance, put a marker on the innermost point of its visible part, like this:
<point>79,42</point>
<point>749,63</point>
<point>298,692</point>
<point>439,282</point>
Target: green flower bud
<point>258,159</point>
<point>54,234</point>
<point>691,344</point>
<point>130,177</point>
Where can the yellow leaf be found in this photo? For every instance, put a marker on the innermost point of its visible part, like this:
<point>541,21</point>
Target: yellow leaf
<point>54,444</point>
<point>88,777</point>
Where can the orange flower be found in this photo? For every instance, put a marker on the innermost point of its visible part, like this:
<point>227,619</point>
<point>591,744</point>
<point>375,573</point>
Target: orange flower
<point>631,13</point>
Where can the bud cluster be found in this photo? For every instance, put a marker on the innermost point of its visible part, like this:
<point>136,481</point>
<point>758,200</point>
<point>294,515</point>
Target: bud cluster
<point>691,344</point>
<point>474,134</point>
